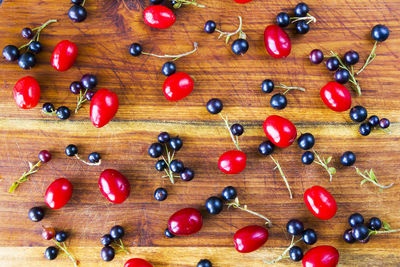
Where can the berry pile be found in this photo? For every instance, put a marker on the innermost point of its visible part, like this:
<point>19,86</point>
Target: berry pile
<point>278,101</point>
<point>62,112</point>
<point>301,18</point>
<point>114,238</point>
<point>77,12</point>
<point>360,114</point>
<point>83,88</point>
<point>26,59</point>
<point>94,157</point>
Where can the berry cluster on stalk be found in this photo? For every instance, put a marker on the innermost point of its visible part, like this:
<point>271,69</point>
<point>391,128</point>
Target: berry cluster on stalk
<point>359,114</point>
<point>112,240</point>
<point>59,238</point>
<point>62,112</point>
<point>84,88</point>
<point>94,157</point>
<point>301,18</point>
<point>278,101</point>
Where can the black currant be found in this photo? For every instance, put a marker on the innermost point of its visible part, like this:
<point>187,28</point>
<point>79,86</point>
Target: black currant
<point>240,46</point>
<point>107,253</point>
<point>155,150</point>
<point>135,49</point>
<point>176,166</point>
<point>51,253</point>
<point>63,113</point>
<point>94,157</point>
<point>75,87</point>
<point>373,120</point>
<point>89,81</point>
<point>36,214</point>
<point>348,237</point>
<point>89,95</point>
<point>384,123</point>
<point>168,233</point>
<point>294,227</point>
<point>214,205</point>
<point>267,86</point>
<point>175,143</point>
<point>309,236</point>
<point>380,33</point>
<point>296,253</point>
<point>307,158</point>
<point>358,114</point>
<point>35,47</point>
<point>348,158</point>
<point>27,60</point>
<point>71,150</point>
<point>316,56</point>
<point>204,263</point>
<point>77,2</point>
<point>61,236</point>
<point>342,76</point>
<point>168,68</point>
<point>11,53</point>
<point>106,240</point>
<point>160,194</point>
<point>77,13</point>
<point>332,64</point>
<point>266,148</point>
<point>301,10</point>
<point>214,106</point>
<point>229,193</point>
<point>187,174</point>
<point>375,223</point>
<point>351,58</point>
<point>27,33</point>
<point>210,26</point>
<point>360,232</point>
<point>365,129</point>
<point>160,165</point>
<point>278,101</point>
<point>306,141</point>
<point>117,232</point>
<point>283,19</point>
<point>355,219</point>
<point>302,27</point>
<point>48,107</point>
<point>163,137</point>
<point>156,2</point>
<point>237,129</point>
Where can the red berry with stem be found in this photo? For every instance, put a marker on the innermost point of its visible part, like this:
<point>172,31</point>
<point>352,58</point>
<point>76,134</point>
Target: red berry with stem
<point>336,96</point>
<point>232,162</point>
<point>44,156</point>
<point>178,86</point>
<point>321,256</point>
<point>280,131</point>
<point>277,42</point>
<point>103,107</point>
<point>250,238</point>
<point>158,16</point>
<point>64,55</point>
<point>26,92</point>
<point>114,186</point>
<point>185,222</point>
<point>320,202</point>
<point>48,233</point>
<point>58,193</point>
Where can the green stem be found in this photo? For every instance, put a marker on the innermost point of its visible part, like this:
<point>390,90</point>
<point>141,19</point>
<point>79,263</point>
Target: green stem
<point>228,35</point>
<point>179,3</point>
<point>309,19</point>
<point>283,175</point>
<point>83,3</point>
<point>174,57</point>
<point>383,232</point>
<point>235,140</point>
<point>33,169</point>
<point>87,162</point>
<point>283,255</point>
<point>121,245</point>
<point>80,100</point>
<point>324,163</point>
<point>237,205</point>
<point>370,58</point>
<point>37,34</point>
<point>63,247</point>
<point>288,88</point>
<point>367,177</point>
<point>168,161</point>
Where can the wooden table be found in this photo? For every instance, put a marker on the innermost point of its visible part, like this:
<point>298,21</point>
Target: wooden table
<point>103,41</point>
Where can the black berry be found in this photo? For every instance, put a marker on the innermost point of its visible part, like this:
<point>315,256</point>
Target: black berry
<point>342,76</point>
<point>36,214</point>
<point>302,27</point>
<point>365,129</point>
<point>89,95</point>
<point>107,253</point>
<point>384,123</point>
<point>204,263</point>
<point>135,49</point>
<point>210,26</point>
<point>27,33</point>
<point>380,33</point>
<point>163,137</point>
<point>360,232</point>
<point>294,227</point>
<point>10,52</point>
<point>51,253</point>
<point>240,46</point>
<point>75,87</point>
<point>187,174</point>
<point>309,236</point>
<point>160,165</point>
<point>44,156</point>
<point>48,107</point>
<point>168,233</point>
<point>374,223</point>
<point>61,236</point>
<point>348,237</point>
<point>267,86</point>
<point>307,158</point>
<point>106,240</point>
<point>175,143</point>
<point>306,141</point>
<point>358,114</point>
<point>214,106</point>
<point>168,68</point>
<point>301,10</point>
<point>373,120</point>
<point>229,193</point>
<point>35,47</point>
<point>332,64</point>
<point>160,194</point>
<point>89,81</point>
<point>348,158</point>
<point>278,101</point>
<point>94,157</point>
<point>27,60</point>
<point>296,254</point>
<point>176,166</point>
<point>356,219</point>
<point>283,19</point>
<point>155,150</point>
<point>214,205</point>
<point>63,113</point>
<point>316,56</point>
<point>237,129</point>
<point>77,13</point>
<point>351,58</point>
<point>117,232</point>
<point>71,150</point>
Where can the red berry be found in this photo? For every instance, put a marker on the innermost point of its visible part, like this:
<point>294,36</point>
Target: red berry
<point>48,233</point>
<point>64,55</point>
<point>26,92</point>
<point>137,262</point>
<point>114,186</point>
<point>320,202</point>
<point>336,96</point>
<point>232,162</point>
<point>103,107</point>
<point>280,131</point>
<point>250,238</point>
<point>277,42</point>
<point>158,16</point>
<point>185,222</point>
<point>177,86</point>
<point>242,1</point>
<point>321,256</point>
<point>58,193</point>
<point>44,156</point>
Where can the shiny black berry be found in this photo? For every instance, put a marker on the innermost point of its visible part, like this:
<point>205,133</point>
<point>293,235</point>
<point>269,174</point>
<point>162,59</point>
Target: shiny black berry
<point>283,19</point>
<point>75,87</point>
<point>348,158</point>
<point>240,46</point>
<point>348,236</point>
<point>27,33</point>
<point>175,143</point>
<point>89,95</point>
<point>358,114</point>
<point>160,165</point>
<point>214,205</point>
<point>380,33</point>
<point>373,120</point>
<point>210,26</point>
<point>51,253</point>
<point>187,174</point>
<point>163,137</point>
<point>229,193</point>
<point>309,236</point>
<point>160,194</point>
<point>237,129</point>
<point>11,53</point>
<point>306,141</point>
<point>375,223</point>
<point>176,166</point>
<point>342,76</point>
<point>168,68</point>
<point>267,86</point>
<point>107,253</point>
<point>77,2</point>
<point>36,214</point>
<point>168,233</point>
<point>351,58</point>
<point>316,56</point>
<point>365,129</point>
<point>294,227</point>
<point>106,240</point>
<point>278,101</point>
<point>214,106</point>
<point>61,236</point>
<point>307,158</point>
<point>301,10</point>
<point>35,47</point>
<point>204,263</point>
<point>89,81</point>
<point>48,107</point>
<point>156,2</point>
<point>71,150</point>
<point>135,49</point>
<point>27,60</point>
<point>302,27</point>
<point>77,13</point>
<point>94,157</point>
<point>117,232</point>
<point>63,113</point>
<point>356,219</point>
<point>266,148</point>
<point>296,253</point>
<point>332,64</point>
<point>155,150</point>
<point>360,232</point>
<point>384,123</point>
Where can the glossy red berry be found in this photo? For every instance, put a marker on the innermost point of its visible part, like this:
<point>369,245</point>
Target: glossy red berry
<point>336,96</point>
<point>320,202</point>
<point>48,233</point>
<point>321,256</point>
<point>280,131</point>
<point>137,262</point>
<point>103,107</point>
<point>26,92</point>
<point>277,42</point>
<point>232,162</point>
<point>185,222</point>
<point>158,16</point>
<point>178,86</point>
<point>114,186</point>
<point>250,238</point>
<point>44,156</point>
<point>64,55</point>
<point>58,193</point>
<point>242,1</point>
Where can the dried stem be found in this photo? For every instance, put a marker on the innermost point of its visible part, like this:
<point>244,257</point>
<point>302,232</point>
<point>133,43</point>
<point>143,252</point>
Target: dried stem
<point>168,160</point>
<point>236,205</point>
<point>278,166</point>
<point>288,88</point>
<point>228,35</point>
<point>32,169</point>
<point>88,163</point>
<point>309,19</point>
<point>174,57</point>
<point>179,3</point>
<point>235,140</point>
<point>370,58</point>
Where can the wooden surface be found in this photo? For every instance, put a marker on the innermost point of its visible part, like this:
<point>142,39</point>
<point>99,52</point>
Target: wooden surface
<point>103,41</point>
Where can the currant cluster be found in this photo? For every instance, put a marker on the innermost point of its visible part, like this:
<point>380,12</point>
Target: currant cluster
<point>214,204</point>
<point>59,237</point>
<point>61,112</point>
<point>306,141</point>
<point>301,18</point>
<point>362,232</point>
<point>77,12</point>
<point>83,88</point>
<point>204,263</point>
<point>26,58</point>
<point>114,238</point>
<point>172,167</point>
<point>278,101</point>
<point>94,157</point>
<point>359,114</point>
<point>239,46</point>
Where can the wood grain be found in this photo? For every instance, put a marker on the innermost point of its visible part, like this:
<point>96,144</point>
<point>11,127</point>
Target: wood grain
<point>103,41</point>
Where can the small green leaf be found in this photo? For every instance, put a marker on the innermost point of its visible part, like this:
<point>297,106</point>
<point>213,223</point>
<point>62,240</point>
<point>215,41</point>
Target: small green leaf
<point>386,226</point>
<point>30,165</point>
<point>13,187</point>
<point>372,175</point>
<point>363,182</point>
<point>328,160</point>
<point>177,5</point>
<point>332,170</point>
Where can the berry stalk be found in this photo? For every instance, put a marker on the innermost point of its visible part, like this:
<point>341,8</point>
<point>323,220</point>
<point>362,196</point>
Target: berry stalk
<point>370,58</point>
<point>37,34</point>
<point>283,255</point>
<point>236,205</point>
<point>63,247</point>
<point>324,163</point>
<point>228,35</point>
<point>32,169</point>
<point>309,18</point>
<point>278,166</point>
<point>80,100</point>
<point>288,88</point>
<point>369,176</point>
<point>235,140</point>
<point>354,83</point>
<point>174,57</point>
<point>167,161</point>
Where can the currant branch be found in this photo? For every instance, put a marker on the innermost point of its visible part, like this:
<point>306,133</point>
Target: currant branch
<point>236,204</point>
<point>324,163</point>
<point>179,3</point>
<point>228,35</point>
<point>288,88</point>
<point>88,163</point>
<point>121,246</point>
<point>283,255</point>
<point>309,18</point>
<point>32,169</point>
<point>278,166</point>
<point>37,34</point>
<point>80,100</point>
<point>386,230</point>
<point>63,247</point>
<point>369,176</point>
<point>234,139</point>
<point>174,57</point>
<point>370,58</point>
<point>167,161</point>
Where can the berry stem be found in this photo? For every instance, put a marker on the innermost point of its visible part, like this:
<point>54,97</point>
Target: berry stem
<point>88,163</point>
<point>37,34</point>
<point>283,255</point>
<point>236,205</point>
<point>63,247</point>
<point>168,161</point>
<point>228,35</point>
<point>288,88</point>
<point>83,3</point>
<point>179,3</point>
<point>370,58</point>
<point>32,169</point>
<point>120,244</point>
<point>309,19</point>
<point>80,100</point>
<point>235,140</point>
<point>354,84</point>
<point>324,163</point>
<point>369,176</point>
<point>278,166</point>
<point>174,57</point>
